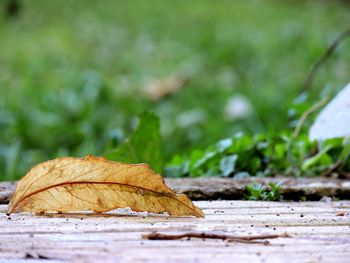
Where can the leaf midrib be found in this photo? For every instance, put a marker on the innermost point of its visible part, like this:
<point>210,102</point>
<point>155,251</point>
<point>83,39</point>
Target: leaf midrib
<point>96,182</point>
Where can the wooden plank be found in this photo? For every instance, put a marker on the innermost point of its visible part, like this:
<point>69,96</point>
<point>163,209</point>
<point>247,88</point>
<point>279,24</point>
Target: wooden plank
<point>319,235</point>
<point>216,188</point>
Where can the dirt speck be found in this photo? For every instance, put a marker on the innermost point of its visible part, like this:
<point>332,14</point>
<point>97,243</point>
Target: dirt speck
<point>340,213</point>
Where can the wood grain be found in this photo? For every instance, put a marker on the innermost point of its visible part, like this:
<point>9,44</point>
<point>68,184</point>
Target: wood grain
<point>317,234</point>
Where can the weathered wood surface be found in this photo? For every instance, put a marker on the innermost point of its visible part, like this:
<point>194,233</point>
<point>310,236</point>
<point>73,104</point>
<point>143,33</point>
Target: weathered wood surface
<point>215,188</point>
<point>319,234</point>
<point>6,190</point>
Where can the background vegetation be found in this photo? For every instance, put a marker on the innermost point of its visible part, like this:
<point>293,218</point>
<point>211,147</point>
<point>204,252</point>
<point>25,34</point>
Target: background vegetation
<point>72,73</point>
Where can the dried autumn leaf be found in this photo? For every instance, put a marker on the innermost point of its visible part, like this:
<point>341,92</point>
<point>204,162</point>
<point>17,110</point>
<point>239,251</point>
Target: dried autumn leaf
<point>159,89</point>
<point>94,183</point>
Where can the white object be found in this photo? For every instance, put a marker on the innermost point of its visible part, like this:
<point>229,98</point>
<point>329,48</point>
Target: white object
<point>334,119</point>
<point>238,107</point>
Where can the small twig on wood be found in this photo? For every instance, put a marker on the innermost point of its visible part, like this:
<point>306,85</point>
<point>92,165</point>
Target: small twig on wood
<point>323,59</point>
<point>303,117</point>
<point>203,235</point>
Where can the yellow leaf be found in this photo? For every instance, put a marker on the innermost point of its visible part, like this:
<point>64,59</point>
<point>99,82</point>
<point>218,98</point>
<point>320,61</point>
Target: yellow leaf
<point>94,183</point>
<point>160,89</point>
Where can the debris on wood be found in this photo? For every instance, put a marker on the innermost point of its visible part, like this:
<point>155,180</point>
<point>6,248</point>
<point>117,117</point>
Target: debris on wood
<point>211,235</point>
<point>340,213</point>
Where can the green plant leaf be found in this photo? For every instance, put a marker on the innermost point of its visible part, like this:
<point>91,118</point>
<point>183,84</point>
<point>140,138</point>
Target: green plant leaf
<point>345,153</point>
<point>320,157</point>
<point>227,164</point>
<point>143,146</point>
<point>263,192</point>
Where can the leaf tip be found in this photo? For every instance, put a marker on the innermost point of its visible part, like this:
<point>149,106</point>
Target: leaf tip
<point>200,213</point>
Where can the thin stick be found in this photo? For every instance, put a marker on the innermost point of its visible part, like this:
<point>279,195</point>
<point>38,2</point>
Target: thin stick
<point>323,59</point>
<point>303,117</point>
<point>208,235</point>
<point>332,168</point>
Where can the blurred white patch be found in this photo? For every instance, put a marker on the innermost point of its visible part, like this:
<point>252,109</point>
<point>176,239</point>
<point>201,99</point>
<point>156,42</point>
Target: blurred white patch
<point>189,118</point>
<point>334,119</point>
<point>227,78</point>
<point>238,107</point>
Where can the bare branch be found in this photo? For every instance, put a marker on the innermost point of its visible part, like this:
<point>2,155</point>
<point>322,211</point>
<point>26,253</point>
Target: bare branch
<point>303,117</point>
<point>323,59</point>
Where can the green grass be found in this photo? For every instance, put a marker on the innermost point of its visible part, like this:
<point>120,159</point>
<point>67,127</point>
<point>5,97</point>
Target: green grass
<point>71,71</point>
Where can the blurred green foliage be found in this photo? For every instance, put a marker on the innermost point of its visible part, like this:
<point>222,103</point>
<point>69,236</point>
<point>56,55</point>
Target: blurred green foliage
<point>143,146</point>
<point>264,155</point>
<point>260,192</point>
<point>72,72</point>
